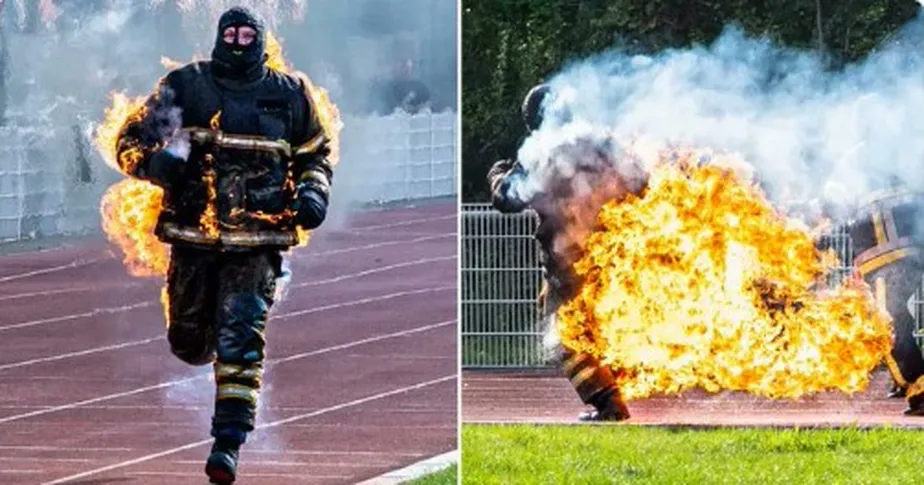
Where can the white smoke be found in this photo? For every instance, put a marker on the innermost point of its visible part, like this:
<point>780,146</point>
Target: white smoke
<point>809,131</point>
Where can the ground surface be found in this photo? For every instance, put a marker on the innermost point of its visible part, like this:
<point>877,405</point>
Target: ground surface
<point>546,397</point>
<point>361,377</point>
<point>556,454</point>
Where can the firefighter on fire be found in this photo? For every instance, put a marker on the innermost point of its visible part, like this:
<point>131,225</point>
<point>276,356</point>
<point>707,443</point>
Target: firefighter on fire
<point>231,135</point>
<point>595,384</point>
<point>889,247</point>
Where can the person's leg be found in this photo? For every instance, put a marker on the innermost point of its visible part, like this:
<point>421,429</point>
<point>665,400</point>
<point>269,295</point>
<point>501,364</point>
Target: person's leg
<point>899,281</point>
<point>191,305</point>
<point>594,383</point>
<point>247,284</point>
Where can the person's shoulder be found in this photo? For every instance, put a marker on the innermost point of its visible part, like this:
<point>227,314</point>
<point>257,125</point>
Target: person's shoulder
<point>188,71</point>
<point>288,81</point>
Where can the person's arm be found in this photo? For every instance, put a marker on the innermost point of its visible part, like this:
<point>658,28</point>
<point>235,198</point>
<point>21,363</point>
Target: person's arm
<point>503,178</point>
<point>312,170</point>
<point>150,146</point>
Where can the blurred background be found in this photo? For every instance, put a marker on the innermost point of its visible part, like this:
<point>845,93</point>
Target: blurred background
<point>389,65</point>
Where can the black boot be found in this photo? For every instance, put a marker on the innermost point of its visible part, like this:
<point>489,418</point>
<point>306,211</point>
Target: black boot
<point>915,405</point>
<point>221,466</point>
<point>609,406</point>
<point>895,390</point>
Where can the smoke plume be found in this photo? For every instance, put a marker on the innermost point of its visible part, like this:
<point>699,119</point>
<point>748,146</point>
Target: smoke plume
<point>808,131</point>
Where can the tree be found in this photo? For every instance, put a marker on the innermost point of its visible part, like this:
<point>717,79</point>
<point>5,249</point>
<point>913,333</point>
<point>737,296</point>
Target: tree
<point>508,46</point>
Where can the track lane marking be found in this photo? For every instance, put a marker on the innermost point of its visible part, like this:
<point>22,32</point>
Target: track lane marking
<point>207,374</point>
<point>272,424</point>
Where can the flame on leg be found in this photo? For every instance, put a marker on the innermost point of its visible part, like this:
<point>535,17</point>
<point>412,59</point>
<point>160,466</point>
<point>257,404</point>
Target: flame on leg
<point>700,282</point>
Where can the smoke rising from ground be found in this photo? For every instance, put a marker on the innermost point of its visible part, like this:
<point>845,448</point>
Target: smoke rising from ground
<point>806,129</point>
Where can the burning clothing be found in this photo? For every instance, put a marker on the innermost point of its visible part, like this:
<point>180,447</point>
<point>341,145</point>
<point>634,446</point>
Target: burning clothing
<point>564,220</point>
<point>256,166</point>
<point>890,256</point>
<point>241,155</point>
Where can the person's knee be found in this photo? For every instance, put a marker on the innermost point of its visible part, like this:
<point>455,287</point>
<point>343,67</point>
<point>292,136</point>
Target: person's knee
<point>242,320</point>
<point>191,343</point>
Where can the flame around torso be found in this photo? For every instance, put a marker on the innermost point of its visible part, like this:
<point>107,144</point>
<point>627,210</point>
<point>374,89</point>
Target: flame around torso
<point>702,283</point>
<point>130,208</point>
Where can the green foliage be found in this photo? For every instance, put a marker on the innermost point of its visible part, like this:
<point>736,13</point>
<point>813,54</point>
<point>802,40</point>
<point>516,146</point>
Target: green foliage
<point>508,46</point>
<point>643,455</point>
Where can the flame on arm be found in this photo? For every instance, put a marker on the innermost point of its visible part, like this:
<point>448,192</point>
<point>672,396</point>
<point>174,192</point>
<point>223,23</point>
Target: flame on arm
<point>146,130</point>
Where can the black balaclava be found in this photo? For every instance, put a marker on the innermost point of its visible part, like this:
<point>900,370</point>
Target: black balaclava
<point>236,62</point>
<point>533,109</point>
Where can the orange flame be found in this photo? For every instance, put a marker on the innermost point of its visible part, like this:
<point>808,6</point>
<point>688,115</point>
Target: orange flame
<point>700,282</point>
<point>131,207</point>
<point>165,303</point>
<point>328,114</point>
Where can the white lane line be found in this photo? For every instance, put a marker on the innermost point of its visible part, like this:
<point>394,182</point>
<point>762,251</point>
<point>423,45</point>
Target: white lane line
<point>86,262</point>
<point>380,269</point>
<point>207,374</point>
<point>61,448</point>
<point>133,343</point>
<point>65,407</point>
<point>80,353</point>
<point>73,264</point>
<point>380,245</point>
<point>272,424</point>
<point>109,310</point>
<point>61,291</point>
<point>408,222</point>
<point>75,316</point>
<point>363,301</point>
<point>416,470</point>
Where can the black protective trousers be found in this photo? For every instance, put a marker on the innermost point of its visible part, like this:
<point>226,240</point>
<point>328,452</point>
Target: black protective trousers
<point>901,279</point>
<point>219,303</point>
<point>592,381</point>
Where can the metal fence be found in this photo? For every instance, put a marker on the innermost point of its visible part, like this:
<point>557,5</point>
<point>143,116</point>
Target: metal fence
<point>43,193</point>
<point>501,280</point>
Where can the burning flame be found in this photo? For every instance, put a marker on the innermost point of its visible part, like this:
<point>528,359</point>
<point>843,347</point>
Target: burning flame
<point>165,303</point>
<point>700,282</point>
<point>208,221</point>
<point>131,207</point>
<point>327,112</point>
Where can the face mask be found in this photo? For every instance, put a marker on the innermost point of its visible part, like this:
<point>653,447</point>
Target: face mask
<point>237,61</point>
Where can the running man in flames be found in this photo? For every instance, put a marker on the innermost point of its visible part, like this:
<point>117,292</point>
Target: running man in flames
<point>242,157</point>
<point>566,216</point>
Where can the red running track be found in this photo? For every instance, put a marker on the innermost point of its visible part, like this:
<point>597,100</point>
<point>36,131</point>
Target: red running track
<point>545,397</point>
<point>361,376</point>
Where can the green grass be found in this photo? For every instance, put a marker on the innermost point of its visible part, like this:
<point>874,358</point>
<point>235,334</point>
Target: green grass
<point>638,455</point>
<point>448,476</point>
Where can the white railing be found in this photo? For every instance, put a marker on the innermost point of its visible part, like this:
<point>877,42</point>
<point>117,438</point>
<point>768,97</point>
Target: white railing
<point>501,281</point>
<point>383,159</point>
<point>398,157</point>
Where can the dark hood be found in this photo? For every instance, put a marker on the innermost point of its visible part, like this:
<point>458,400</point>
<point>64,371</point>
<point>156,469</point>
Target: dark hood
<point>234,62</point>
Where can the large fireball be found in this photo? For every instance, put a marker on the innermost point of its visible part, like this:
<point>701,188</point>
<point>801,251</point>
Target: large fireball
<point>701,282</point>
